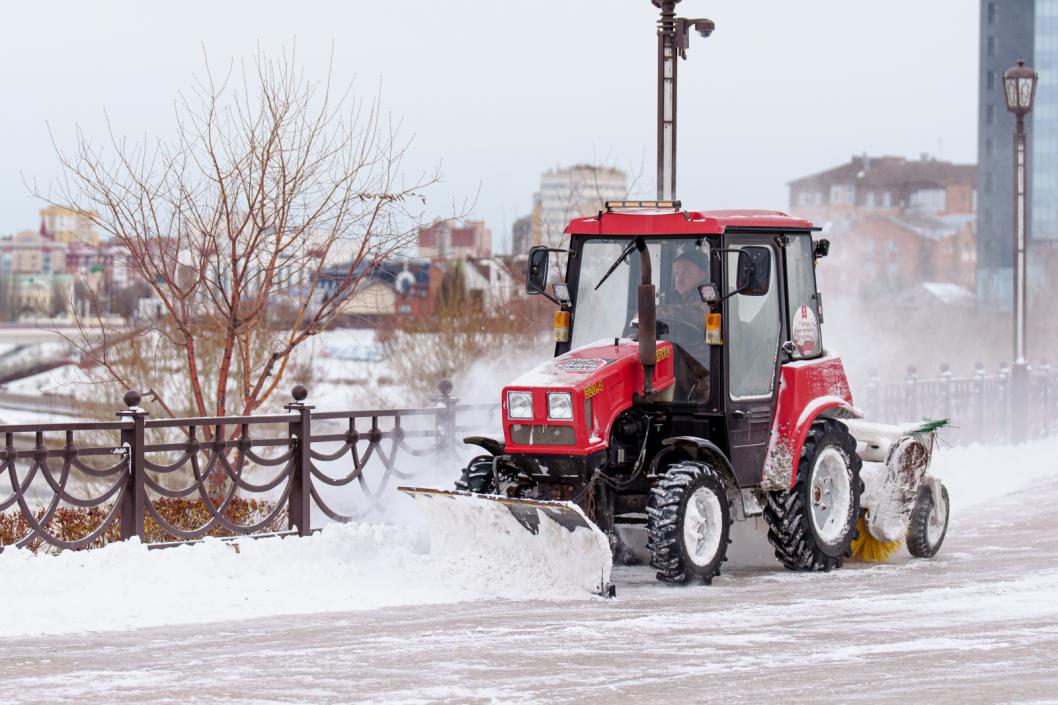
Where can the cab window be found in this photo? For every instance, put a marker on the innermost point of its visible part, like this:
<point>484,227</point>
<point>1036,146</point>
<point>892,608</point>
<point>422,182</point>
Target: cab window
<point>804,304</point>
<point>753,326</point>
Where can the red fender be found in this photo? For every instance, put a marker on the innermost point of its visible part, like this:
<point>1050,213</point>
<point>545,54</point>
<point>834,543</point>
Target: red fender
<point>808,389</point>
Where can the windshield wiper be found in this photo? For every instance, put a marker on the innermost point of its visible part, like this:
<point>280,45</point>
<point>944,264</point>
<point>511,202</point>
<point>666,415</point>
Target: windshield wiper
<point>624,255</point>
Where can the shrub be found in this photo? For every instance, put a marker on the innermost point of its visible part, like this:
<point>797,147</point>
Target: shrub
<point>73,523</point>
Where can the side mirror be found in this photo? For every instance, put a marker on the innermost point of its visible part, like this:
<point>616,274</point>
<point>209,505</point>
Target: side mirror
<point>754,271</point>
<point>536,276</point>
<point>821,248</point>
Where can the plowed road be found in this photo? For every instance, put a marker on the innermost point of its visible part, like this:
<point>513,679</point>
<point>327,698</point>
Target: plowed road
<point>977,624</point>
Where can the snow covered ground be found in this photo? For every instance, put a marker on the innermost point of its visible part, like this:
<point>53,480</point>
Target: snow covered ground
<point>365,614</point>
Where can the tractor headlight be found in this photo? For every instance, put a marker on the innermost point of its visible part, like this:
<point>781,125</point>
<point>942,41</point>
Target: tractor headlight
<point>560,406</point>
<point>520,405</point>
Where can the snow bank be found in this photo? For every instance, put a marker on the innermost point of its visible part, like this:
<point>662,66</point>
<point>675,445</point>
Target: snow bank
<point>976,474</point>
<point>345,567</point>
<point>362,566</point>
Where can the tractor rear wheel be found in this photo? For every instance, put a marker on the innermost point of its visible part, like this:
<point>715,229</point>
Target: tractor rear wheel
<point>688,524</point>
<point>812,525</point>
<point>928,525</point>
<point>478,476</point>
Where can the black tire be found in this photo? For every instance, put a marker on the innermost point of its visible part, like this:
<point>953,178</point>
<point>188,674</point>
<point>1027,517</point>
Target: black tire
<point>793,515</point>
<point>674,560</point>
<point>919,542</point>
<point>477,476</point>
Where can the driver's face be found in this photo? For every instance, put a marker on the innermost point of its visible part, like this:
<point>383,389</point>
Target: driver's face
<point>686,275</point>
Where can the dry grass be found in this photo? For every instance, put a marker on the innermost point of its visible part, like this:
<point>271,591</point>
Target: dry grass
<point>73,523</point>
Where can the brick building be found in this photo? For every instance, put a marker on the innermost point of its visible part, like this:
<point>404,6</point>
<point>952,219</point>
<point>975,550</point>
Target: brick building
<point>445,239</point>
<point>885,185</point>
<point>893,223</point>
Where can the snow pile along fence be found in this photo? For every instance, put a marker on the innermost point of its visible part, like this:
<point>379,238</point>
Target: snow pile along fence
<point>983,407</point>
<point>123,478</point>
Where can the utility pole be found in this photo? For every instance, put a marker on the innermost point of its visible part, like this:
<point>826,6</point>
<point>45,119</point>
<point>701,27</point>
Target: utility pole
<point>673,39</point>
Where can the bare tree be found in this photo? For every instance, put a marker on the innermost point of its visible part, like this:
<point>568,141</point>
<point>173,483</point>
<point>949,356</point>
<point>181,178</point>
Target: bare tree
<point>462,341</point>
<point>270,181</point>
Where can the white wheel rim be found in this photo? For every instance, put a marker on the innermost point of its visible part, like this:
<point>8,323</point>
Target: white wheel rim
<point>829,494</point>
<point>701,526</point>
<point>934,526</point>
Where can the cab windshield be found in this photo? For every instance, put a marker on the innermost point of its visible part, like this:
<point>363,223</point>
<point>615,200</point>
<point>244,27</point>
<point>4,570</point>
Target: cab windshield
<point>679,266</point>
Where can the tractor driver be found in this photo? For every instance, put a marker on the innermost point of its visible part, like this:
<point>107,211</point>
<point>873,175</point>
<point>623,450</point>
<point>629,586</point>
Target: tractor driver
<point>689,271</point>
<point>687,311</point>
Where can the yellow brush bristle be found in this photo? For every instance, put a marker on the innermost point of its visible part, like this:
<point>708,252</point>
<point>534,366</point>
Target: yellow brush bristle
<point>868,549</point>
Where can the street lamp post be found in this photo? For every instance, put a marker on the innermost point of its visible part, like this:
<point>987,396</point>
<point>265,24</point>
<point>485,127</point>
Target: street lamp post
<point>1019,90</point>
<point>673,40</point>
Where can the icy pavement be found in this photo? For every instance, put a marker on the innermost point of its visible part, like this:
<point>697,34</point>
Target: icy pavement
<point>977,624</point>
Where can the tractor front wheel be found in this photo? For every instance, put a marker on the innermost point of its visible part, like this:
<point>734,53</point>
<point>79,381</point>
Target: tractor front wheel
<point>478,476</point>
<point>813,524</point>
<point>688,524</point>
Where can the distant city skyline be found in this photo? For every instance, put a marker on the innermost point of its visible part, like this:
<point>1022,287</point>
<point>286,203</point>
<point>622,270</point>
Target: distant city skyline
<point>498,96</point>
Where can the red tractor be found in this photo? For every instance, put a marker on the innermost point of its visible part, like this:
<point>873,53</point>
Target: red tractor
<point>691,389</point>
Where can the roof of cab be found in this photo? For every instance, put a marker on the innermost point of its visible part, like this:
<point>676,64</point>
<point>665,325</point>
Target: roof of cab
<point>659,222</point>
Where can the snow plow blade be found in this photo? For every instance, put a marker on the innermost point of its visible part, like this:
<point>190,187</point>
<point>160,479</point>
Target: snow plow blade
<point>547,538</point>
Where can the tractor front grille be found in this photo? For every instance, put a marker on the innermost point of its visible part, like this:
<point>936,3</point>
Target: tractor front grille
<point>529,435</point>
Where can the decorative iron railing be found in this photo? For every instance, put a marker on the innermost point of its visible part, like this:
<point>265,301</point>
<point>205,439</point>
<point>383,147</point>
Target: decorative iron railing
<point>983,407</point>
<point>78,485</point>
<point>116,478</point>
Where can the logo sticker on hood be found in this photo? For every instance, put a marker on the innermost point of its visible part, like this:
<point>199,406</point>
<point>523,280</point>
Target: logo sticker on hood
<point>580,364</point>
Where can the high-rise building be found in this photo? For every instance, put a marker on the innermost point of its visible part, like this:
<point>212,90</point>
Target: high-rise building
<point>66,225</point>
<point>521,235</point>
<point>1013,29</point>
<point>571,193</point>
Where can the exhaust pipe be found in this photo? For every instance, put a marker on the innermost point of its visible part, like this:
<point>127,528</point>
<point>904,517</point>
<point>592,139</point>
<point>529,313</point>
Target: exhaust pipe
<point>647,319</point>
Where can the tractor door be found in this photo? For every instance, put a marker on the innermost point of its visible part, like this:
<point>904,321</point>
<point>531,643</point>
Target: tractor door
<point>753,331</point>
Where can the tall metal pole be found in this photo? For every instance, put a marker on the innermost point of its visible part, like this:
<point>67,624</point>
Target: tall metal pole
<point>667,101</point>
<point>1020,238</point>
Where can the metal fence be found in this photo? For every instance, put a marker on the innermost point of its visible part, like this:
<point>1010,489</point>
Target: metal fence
<point>310,466</point>
<point>980,407</point>
<point>302,463</point>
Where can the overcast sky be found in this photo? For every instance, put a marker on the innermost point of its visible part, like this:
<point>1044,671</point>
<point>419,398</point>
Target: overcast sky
<point>500,91</point>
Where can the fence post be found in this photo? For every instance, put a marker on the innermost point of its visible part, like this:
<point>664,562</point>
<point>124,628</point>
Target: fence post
<point>945,378</point>
<point>133,502</point>
<point>911,399</point>
<point>1047,419</point>
<point>299,507</point>
<point>446,420</point>
<point>981,410</point>
<point>1007,401</point>
<point>874,406</point>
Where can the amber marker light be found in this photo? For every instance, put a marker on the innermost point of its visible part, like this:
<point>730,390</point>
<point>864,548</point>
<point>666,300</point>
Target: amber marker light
<point>562,326</point>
